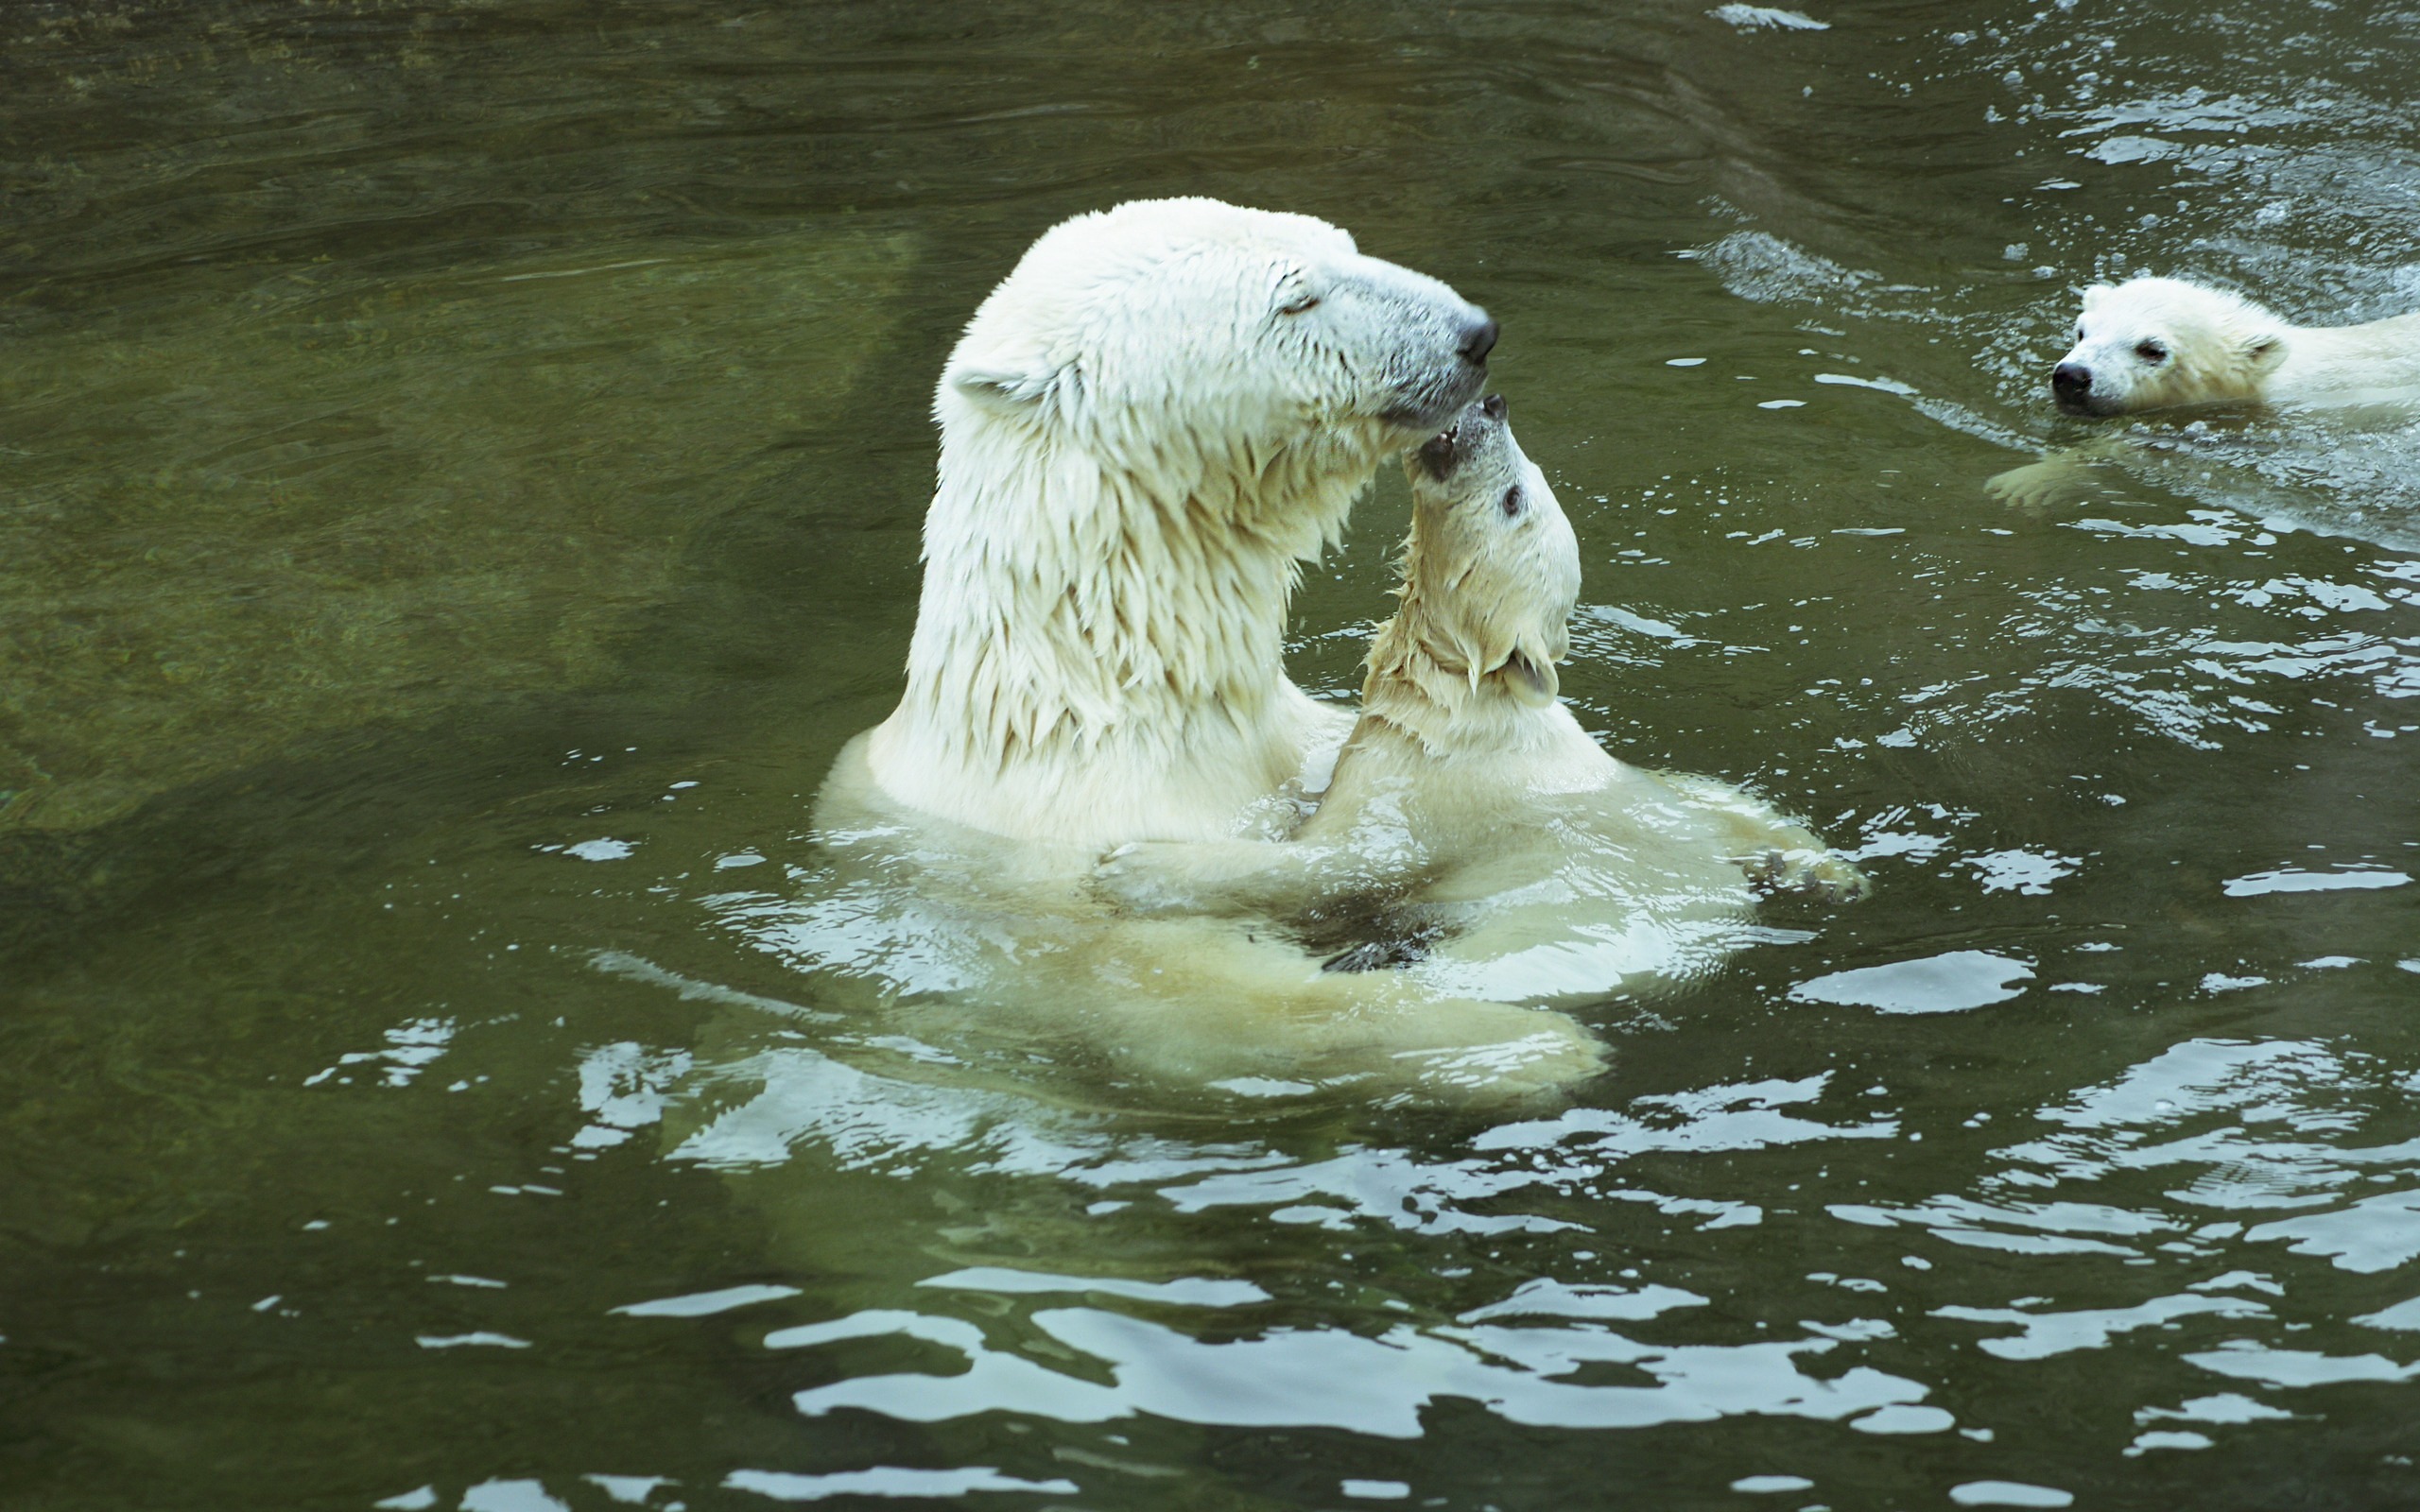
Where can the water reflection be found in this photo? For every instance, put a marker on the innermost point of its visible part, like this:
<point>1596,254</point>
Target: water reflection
<point>1337,1379</point>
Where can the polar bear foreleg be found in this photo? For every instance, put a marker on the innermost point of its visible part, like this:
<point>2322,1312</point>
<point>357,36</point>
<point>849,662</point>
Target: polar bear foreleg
<point>2068,475</point>
<point>1777,853</point>
<point>1161,877</point>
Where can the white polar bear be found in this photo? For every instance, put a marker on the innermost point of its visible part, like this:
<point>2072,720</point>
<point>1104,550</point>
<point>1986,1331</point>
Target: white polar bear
<point>1151,423</point>
<point>1160,414</point>
<point>1469,810</point>
<point>2151,343</point>
<point>2155,343</point>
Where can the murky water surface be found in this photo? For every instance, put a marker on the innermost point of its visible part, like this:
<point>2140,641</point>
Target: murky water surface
<point>459,471</point>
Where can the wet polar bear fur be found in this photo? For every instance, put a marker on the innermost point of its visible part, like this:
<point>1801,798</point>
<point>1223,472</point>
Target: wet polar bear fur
<point>2153,343</point>
<point>1468,793</point>
<point>1149,426</point>
<point>2159,343</point>
<point>1153,420</point>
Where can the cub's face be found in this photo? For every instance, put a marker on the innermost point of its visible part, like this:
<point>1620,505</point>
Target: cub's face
<point>1494,569</point>
<point>2155,342</point>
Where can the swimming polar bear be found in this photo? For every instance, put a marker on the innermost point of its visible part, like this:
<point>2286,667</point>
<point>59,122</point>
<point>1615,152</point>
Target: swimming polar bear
<point>1494,835</point>
<point>2151,343</point>
<point>2156,343</point>
<point>1149,426</point>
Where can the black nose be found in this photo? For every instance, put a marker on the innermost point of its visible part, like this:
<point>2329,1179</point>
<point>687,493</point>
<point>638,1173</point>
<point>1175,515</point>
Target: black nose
<point>1493,406</point>
<point>2070,380</point>
<point>1478,341</point>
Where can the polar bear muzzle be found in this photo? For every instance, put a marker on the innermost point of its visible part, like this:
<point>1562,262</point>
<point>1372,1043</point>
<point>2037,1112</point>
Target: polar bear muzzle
<point>1443,453</point>
<point>1430,392</point>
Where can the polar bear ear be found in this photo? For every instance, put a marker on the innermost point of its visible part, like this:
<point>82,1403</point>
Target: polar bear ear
<point>2093,296</point>
<point>2264,351</point>
<point>1006,388</point>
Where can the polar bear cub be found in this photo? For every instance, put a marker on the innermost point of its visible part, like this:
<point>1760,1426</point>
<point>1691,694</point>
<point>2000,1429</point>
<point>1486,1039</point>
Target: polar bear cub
<point>2151,343</point>
<point>1469,808</point>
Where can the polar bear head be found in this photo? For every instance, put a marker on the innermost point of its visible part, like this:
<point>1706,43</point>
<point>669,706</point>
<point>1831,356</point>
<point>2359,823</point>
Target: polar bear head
<point>2151,342</point>
<point>1491,569</point>
<point>1188,345</point>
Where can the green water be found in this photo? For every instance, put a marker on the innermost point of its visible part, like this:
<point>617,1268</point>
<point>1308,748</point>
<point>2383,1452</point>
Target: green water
<point>459,479</point>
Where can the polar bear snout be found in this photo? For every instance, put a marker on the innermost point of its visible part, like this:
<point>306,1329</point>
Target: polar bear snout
<point>1427,399</point>
<point>1441,342</point>
<point>1443,453</point>
<point>2071,388</point>
<point>1437,456</point>
<point>1479,339</point>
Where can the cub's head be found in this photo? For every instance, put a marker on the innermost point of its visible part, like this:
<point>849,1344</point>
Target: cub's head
<point>2152,342</point>
<point>1177,335</point>
<point>1491,570</point>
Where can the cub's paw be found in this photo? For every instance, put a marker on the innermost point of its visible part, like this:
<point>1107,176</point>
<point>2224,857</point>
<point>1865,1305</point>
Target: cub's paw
<point>1539,1068</point>
<point>2036,486</point>
<point>1127,878</point>
<point>2059,481</point>
<point>1826,876</point>
<point>1150,877</point>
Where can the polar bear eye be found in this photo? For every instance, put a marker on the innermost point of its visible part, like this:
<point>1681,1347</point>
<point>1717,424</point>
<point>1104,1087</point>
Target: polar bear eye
<point>1512,505</point>
<point>2151,351</point>
<point>1299,303</point>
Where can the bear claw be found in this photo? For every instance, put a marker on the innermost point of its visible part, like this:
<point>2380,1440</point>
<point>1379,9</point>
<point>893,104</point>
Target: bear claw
<point>1822,875</point>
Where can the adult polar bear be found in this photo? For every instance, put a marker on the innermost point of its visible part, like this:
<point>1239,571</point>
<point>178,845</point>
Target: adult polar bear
<point>1151,423</point>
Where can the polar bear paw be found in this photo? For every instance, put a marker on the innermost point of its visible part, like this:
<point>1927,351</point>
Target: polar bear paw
<point>2036,486</point>
<point>1141,878</point>
<point>1156,878</point>
<point>1826,876</point>
<point>1527,1069</point>
<point>2056,482</point>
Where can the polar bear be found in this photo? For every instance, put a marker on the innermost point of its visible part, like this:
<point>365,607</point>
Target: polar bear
<point>1156,419</point>
<point>1148,427</point>
<point>2156,343</point>
<point>2151,343</point>
<point>1469,799</point>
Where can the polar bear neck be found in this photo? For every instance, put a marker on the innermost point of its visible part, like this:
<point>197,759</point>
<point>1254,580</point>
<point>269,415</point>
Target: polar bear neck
<point>1098,651</point>
<point>1426,691</point>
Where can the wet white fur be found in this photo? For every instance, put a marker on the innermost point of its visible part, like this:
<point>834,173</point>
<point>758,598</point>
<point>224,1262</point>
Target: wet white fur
<point>1145,432</point>
<point>1466,790</point>
<point>1469,788</point>
<point>2216,346</point>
